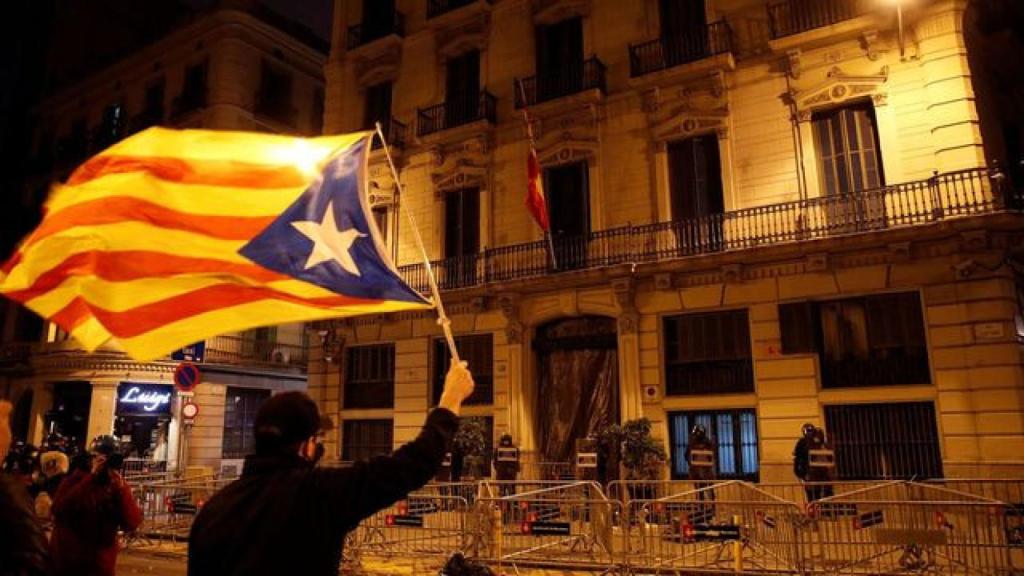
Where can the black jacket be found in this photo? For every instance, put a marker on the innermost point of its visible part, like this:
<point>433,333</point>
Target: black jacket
<point>285,517</point>
<point>22,543</point>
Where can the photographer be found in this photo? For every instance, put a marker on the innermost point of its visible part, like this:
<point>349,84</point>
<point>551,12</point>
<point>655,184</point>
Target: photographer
<point>89,508</point>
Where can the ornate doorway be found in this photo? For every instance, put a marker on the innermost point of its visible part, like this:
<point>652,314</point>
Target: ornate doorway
<point>577,384</point>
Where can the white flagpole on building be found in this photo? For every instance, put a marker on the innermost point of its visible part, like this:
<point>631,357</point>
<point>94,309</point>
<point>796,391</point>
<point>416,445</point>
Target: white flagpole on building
<point>442,318</point>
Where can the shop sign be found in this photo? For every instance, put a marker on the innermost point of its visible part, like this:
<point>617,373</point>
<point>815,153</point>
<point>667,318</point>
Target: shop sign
<point>143,398</point>
<point>192,353</point>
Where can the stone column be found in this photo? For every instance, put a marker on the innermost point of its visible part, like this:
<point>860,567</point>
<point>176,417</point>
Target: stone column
<point>630,390</point>
<point>955,132</point>
<point>101,409</point>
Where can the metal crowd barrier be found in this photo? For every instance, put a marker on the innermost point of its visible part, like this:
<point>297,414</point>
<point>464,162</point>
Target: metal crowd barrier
<point>168,508</point>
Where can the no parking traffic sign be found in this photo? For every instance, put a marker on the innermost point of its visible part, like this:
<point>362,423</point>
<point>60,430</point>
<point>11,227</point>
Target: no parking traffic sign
<point>186,377</point>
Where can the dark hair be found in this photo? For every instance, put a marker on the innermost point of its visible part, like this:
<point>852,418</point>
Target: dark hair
<point>284,422</point>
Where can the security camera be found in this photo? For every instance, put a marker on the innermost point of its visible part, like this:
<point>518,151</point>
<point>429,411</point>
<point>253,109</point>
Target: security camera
<point>964,268</point>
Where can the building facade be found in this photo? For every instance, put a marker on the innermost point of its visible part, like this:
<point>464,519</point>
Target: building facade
<point>236,66</point>
<point>762,214</point>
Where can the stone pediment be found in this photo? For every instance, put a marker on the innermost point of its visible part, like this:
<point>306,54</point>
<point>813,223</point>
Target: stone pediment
<point>551,11</point>
<point>683,122</point>
<point>463,29</point>
<point>839,87</point>
<point>458,175</point>
<point>567,150</point>
<point>378,62</point>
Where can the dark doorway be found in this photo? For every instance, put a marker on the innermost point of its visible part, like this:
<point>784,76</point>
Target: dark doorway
<point>21,418</point>
<point>378,18</point>
<point>70,413</point>
<point>684,28</point>
<point>578,383</point>
<point>568,192</point>
<point>462,89</point>
<point>559,59</point>
<point>695,181</point>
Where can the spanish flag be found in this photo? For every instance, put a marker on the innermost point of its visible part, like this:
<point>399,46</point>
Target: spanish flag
<point>170,237</point>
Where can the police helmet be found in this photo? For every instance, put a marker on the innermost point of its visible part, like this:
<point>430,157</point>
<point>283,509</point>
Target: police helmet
<point>506,439</point>
<point>699,431</point>
<point>21,458</point>
<point>106,445</point>
<point>807,430</point>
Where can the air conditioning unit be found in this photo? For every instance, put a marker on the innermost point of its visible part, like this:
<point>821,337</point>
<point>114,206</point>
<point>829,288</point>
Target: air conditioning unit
<point>280,356</point>
<point>652,393</point>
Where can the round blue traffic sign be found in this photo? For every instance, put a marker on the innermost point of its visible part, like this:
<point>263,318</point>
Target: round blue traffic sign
<point>186,377</point>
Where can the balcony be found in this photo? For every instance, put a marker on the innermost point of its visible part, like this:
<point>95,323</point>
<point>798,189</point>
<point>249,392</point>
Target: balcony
<point>236,350</point>
<point>437,8</point>
<point>571,79</point>
<point>942,197</point>
<point>791,17</point>
<point>362,34</point>
<point>395,133</point>
<point>453,113</point>
<point>663,53</point>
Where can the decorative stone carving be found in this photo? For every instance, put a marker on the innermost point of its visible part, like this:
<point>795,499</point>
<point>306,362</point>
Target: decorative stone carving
<point>817,262</point>
<point>462,174</point>
<point>899,252</point>
<point>567,151</point>
<point>552,11</point>
<point>974,240</point>
<point>880,99</point>
<point>380,65</point>
<point>793,63</point>
<point>625,296</point>
<point>465,34</point>
<point>839,87</point>
<point>663,281</point>
<point>685,122</point>
<point>732,273</point>
<point>509,306</point>
<point>478,304</point>
<point>869,41</point>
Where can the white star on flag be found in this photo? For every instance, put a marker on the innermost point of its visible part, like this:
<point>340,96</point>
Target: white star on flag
<point>329,243</point>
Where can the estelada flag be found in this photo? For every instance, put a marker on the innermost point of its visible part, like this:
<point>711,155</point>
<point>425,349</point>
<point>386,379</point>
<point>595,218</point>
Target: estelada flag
<point>173,236</point>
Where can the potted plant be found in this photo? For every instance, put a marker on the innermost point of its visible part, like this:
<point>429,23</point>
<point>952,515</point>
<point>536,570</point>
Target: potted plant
<point>470,446</point>
<point>609,452</point>
<point>643,457</point>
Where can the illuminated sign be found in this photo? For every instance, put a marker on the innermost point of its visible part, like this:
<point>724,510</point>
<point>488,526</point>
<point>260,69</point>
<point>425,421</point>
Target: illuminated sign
<point>143,398</point>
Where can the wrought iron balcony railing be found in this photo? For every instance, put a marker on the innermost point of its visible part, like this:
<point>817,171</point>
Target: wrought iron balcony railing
<point>394,131</point>
<point>668,52</point>
<point>944,196</point>
<point>571,78</point>
<point>436,8</point>
<point>365,33</point>
<point>456,112</point>
<point>795,16</point>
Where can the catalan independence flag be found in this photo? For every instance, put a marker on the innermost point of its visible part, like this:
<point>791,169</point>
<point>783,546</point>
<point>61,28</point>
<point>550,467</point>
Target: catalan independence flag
<point>172,236</point>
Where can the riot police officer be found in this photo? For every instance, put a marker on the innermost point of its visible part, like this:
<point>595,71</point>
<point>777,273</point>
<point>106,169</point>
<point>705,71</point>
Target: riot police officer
<point>700,457</point>
<point>506,463</point>
<point>814,462</point>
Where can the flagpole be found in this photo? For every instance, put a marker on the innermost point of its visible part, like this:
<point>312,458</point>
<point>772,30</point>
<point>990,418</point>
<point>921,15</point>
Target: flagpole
<point>442,318</point>
<point>533,150</point>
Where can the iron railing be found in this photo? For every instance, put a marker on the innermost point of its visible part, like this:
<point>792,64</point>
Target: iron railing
<point>436,8</point>
<point>668,52</point>
<point>571,78</point>
<point>365,33</point>
<point>795,16</point>
<point>238,350</point>
<point>949,195</point>
<point>879,367</point>
<point>394,131</point>
<point>456,112</point>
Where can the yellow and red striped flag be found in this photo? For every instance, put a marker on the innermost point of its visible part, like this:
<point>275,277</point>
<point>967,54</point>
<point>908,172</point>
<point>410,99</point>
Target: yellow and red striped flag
<point>173,236</point>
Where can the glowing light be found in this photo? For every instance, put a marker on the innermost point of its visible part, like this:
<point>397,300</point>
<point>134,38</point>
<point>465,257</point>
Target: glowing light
<point>303,156</point>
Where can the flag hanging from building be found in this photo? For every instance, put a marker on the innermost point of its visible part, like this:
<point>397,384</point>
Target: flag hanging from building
<point>172,236</point>
<point>535,200</point>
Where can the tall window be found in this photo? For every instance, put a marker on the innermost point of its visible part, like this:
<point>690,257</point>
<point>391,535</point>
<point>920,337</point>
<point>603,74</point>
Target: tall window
<point>708,353</point>
<point>461,236</point>
<point>734,433</point>
<point>891,440</point>
<point>478,352</point>
<point>462,89</point>
<point>559,59</point>
<point>193,91</point>
<point>380,218</point>
<point>848,153</point>
<point>683,30</point>
<point>364,439</point>
<point>695,178</point>
<point>155,101</point>
<point>568,199</point>
<point>378,18</point>
<point>871,341</point>
<point>370,376</point>
<point>378,105</point>
<point>258,343</point>
<point>240,406</point>
<point>112,126</point>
